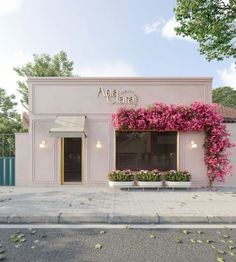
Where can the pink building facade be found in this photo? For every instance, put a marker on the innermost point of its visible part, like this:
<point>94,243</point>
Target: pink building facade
<point>71,139</point>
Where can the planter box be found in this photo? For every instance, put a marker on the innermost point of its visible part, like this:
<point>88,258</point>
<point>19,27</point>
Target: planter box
<point>150,184</point>
<point>121,184</point>
<point>178,184</point>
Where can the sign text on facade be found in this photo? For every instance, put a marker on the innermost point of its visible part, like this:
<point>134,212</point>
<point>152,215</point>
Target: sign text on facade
<point>114,96</point>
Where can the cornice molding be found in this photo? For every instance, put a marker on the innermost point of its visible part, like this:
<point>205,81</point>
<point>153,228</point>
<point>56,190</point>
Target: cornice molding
<point>118,79</point>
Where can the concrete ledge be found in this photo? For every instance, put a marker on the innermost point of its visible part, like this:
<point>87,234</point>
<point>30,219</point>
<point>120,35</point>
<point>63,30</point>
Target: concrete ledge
<point>77,218</point>
<point>4,218</point>
<point>126,219</point>
<point>33,219</point>
<point>113,218</point>
<point>183,219</point>
<point>222,219</point>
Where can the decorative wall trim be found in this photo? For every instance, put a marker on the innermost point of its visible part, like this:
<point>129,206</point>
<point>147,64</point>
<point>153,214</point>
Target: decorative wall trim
<point>34,181</point>
<point>108,122</point>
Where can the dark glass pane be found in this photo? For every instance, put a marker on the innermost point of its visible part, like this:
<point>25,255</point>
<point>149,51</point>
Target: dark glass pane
<point>146,150</point>
<point>72,160</point>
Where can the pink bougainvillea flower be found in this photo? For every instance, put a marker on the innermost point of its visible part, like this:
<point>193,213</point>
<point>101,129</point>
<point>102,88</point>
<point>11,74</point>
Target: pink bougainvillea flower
<point>196,117</point>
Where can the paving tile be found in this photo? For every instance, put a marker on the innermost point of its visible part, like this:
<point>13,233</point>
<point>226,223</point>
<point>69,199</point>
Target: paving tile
<point>103,200</point>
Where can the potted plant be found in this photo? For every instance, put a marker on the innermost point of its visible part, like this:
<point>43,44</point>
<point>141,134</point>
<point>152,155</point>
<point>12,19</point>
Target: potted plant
<point>121,178</point>
<point>178,179</point>
<point>149,178</point>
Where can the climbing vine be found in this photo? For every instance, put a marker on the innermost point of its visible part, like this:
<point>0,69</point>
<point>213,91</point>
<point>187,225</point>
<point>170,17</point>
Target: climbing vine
<point>196,117</point>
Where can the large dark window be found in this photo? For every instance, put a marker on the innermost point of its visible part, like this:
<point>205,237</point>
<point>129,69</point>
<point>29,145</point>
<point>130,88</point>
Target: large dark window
<point>146,150</point>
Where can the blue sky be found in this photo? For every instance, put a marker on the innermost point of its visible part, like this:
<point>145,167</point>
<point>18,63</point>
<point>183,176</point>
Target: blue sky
<point>102,37</point>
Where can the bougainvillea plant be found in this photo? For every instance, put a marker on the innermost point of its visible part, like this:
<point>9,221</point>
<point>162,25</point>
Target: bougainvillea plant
<point>196,117</point>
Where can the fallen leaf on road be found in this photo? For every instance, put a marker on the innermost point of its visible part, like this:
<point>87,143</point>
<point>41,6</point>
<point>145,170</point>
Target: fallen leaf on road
<point>185,232</point>
<point>220,259</point>
<point>226,236</point>
<point>199,232</point>
<point>152,236</point>
<point>209,241</point>
<point>199,241</point>
<point>231,254</point>
<point>98,246</point>
<point>178,240</point>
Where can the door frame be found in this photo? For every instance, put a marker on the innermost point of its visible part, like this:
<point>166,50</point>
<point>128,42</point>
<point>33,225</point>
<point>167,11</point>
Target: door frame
<point>62,178</point>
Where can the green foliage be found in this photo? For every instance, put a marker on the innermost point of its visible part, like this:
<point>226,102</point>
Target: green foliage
<point>173,175</point>
<point>43,65</point>
<point>121,175</point>
<point>10,120</point>
<point>224,95</point>
<point>145,175</point>
<point>211,23</point>
<point>10,123</point>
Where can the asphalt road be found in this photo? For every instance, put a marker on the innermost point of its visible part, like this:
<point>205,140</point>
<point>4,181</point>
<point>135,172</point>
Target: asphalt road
<point>95,245</point>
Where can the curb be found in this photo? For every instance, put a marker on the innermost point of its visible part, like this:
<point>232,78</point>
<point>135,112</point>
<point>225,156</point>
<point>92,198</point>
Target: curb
<point>96,218</point>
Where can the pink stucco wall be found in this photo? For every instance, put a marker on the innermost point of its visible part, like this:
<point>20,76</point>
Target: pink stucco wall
<point>230,181</point>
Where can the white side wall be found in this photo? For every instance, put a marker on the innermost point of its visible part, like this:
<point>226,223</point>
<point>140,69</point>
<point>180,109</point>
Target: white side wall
<point>23,158</point>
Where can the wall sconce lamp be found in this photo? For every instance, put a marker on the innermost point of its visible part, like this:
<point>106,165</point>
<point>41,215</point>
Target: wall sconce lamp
<point>193,144</point>
<point>98,145</point>
<point>43,144</point>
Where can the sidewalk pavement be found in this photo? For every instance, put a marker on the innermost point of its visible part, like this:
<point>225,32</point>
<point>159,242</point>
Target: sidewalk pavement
<point>101,204</point>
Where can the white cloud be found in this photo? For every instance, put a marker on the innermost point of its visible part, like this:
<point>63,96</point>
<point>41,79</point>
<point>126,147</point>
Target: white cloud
<point>154,27</point>
<point>9,6</point>
<point>166,29</point>
<point>116,68</point>
<point>228,76</point>
<point>8,77</point>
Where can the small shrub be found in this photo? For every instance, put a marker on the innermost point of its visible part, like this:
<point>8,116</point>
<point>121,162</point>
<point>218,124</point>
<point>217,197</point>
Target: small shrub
<point>121,175</point>
<point>146,175</point>
<point>174,175</point>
